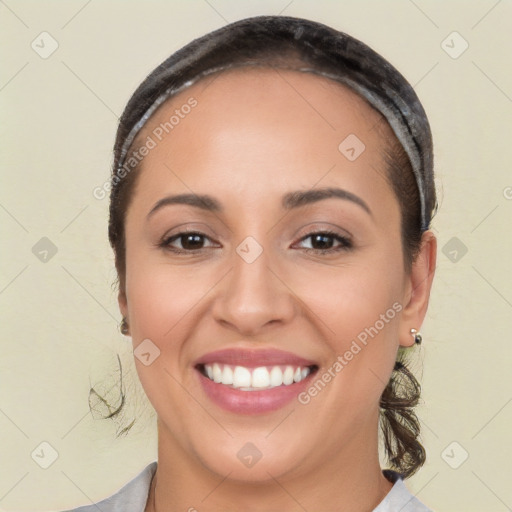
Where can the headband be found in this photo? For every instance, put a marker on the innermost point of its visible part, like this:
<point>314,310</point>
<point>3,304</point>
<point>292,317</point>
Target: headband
<point>323,51</point>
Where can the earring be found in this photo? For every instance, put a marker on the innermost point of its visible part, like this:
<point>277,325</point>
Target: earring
<point>123,327</point>
<point>417,336</point>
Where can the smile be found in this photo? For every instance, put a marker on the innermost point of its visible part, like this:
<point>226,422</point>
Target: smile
<point>255,379</point>
<point>245,380</point>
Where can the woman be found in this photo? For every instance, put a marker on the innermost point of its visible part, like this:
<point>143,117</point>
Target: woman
<point>272,193</point>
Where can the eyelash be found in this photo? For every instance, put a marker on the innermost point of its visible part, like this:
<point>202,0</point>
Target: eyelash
<point>346,244</point>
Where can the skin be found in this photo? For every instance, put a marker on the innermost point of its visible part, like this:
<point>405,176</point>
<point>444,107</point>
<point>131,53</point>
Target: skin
<point>254,136</point>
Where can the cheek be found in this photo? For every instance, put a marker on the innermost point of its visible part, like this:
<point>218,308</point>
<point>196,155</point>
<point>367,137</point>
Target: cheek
<point>351,297</point>
<point>360,300</point>
<point>358,307</point>
<point>161,297</point>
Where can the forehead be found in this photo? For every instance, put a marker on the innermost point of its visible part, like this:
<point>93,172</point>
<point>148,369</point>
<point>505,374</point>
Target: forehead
<point>262,90</point>
<point>272,128</point>
<point>244,102</point>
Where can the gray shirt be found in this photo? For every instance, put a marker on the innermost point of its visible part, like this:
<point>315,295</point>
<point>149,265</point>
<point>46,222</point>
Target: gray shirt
<point>134,495</point>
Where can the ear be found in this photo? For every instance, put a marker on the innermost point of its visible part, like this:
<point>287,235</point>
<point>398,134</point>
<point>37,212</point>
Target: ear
<point>123,303</point>
<point>417,291</point>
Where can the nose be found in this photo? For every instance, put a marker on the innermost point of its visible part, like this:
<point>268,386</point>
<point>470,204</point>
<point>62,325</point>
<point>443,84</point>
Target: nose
<point>254,295</point>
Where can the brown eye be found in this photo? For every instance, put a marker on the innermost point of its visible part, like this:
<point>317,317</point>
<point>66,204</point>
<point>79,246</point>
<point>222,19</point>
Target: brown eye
<point>324,242</point>
<point>189,241</point>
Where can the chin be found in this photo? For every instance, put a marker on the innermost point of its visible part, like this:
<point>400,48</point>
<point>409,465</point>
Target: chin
<point>246,461</point>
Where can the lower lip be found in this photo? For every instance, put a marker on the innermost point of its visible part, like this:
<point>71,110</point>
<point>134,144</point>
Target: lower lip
<point>252,402</point>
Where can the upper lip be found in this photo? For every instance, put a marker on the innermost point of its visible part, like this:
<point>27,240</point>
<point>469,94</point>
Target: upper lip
<point>253,358</point>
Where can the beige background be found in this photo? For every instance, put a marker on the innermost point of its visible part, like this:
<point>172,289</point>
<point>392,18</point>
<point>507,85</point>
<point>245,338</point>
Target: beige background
<point>59,318</point>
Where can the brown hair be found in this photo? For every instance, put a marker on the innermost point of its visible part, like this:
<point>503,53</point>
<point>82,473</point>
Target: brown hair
<point>293,43</point>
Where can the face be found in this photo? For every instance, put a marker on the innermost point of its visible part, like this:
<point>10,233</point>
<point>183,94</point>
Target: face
<point>267,277</point>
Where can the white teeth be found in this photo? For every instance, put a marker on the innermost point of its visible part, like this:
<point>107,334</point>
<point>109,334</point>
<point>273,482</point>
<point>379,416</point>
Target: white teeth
<point>217,373</point>
<point>227,375</point>
<point>288,375</point>
<point>260,378</point>
<point>241,377</point>
<point>276,376</point>
<point>253,379</point>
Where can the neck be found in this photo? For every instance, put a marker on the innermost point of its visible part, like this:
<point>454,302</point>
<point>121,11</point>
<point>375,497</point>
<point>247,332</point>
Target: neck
<point>352,480</point>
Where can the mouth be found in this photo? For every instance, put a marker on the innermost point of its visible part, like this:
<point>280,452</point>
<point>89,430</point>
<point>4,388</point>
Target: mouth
<point>253,381</point>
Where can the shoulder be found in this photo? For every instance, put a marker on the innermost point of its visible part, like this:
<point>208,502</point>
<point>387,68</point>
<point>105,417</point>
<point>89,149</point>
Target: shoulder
<point>399,497</point>
<point>133,496</point>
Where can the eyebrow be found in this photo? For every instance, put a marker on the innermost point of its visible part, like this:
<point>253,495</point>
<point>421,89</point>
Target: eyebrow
<point>289,201</point>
